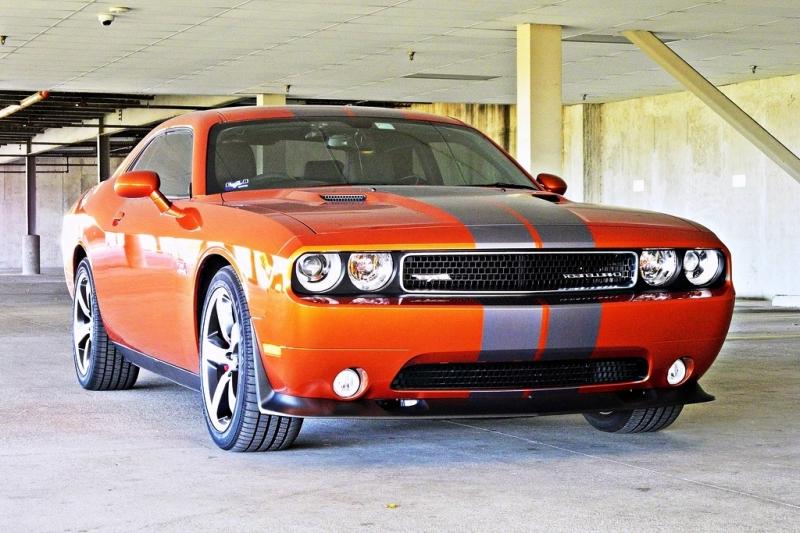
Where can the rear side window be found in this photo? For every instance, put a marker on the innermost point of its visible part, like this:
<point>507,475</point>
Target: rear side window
<point>170,156</point>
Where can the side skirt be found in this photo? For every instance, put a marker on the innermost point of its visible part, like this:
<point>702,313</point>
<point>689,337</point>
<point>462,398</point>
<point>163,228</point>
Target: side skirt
<point>171,372</point>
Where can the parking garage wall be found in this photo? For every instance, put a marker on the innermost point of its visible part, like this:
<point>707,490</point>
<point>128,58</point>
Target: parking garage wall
<point>58,188</point>
<point>670,153</point>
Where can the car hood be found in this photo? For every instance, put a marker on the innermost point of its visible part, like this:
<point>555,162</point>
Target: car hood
<point>489,215</point>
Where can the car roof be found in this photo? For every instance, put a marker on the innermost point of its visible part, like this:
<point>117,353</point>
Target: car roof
<point>246,113</point>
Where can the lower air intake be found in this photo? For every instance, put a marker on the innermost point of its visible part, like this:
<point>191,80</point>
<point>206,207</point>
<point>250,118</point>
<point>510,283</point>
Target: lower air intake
<point>519,375</point>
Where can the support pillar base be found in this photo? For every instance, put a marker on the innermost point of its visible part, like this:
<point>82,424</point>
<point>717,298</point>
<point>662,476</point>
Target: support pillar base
<point>31,264</point>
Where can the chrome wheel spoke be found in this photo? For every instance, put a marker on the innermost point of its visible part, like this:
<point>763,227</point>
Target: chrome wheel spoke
<point>219,393</point>
<point>231,393</point>
<point>224,309</point>
<point>82,331</point>
<point>215,354</point>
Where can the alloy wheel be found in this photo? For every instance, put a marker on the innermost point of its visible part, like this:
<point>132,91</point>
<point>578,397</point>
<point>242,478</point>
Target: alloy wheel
<point>83,322</point>
<point>219,358</point>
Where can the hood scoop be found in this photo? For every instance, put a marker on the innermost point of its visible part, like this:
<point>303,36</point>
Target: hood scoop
<point>344,198</point>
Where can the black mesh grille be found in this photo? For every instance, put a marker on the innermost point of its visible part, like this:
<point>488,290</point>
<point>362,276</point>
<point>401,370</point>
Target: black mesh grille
<point>518,272</point>
<point>519,375</point>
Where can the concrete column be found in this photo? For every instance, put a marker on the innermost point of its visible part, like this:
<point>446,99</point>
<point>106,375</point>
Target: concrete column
<point>30,244</point>
<point>592,153</point>
<point>539,122</point>
<point>103,154</point>
<point>31,263</point>
<point>270,99</point>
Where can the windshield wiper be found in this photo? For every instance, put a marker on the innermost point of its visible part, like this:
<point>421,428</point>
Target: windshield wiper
<point>502,185</point>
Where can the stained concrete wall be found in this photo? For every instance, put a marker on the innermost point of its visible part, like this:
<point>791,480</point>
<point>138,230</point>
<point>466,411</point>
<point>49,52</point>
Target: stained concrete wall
<point>670,153</point>
<point>57,190</point>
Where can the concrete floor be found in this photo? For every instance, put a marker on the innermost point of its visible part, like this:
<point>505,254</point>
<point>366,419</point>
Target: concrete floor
<point>72,460</point>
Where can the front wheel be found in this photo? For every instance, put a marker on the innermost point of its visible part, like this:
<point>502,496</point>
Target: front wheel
<point>227,376</point>
<point>98,364</point>
<point>635,421</point>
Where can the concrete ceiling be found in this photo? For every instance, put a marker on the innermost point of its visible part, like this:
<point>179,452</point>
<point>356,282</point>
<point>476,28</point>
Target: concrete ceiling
<point>358,49</point>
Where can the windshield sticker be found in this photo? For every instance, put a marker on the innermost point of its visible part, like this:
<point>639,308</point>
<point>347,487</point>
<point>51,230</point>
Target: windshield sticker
<point>236,185</point>
<point>384,126</point>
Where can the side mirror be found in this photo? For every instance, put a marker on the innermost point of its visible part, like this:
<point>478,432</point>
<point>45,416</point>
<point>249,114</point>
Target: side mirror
<point>146,184</point>
<point>552,183</point>
<point>137,184</point>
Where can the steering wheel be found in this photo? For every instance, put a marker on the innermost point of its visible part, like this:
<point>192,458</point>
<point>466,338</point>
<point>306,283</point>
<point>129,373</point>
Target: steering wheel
<point>413,179</point>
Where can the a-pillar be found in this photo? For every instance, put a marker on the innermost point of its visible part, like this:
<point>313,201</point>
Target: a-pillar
<point>539,121</point>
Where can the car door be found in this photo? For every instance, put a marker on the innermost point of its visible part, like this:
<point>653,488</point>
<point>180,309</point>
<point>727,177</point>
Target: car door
<point>155,291</point>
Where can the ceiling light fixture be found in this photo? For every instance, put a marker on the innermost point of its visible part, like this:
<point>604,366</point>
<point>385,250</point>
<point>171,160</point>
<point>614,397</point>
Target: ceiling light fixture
<point>460,77</point>
<point>603,39</point>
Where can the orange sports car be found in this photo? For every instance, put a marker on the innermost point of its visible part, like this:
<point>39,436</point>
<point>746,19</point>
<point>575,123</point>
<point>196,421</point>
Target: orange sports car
<point>292,262</point>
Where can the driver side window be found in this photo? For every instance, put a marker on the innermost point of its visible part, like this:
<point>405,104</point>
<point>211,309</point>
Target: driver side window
<point>170,156</point>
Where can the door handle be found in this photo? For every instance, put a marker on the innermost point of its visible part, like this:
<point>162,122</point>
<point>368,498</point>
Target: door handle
<point>117,218</point>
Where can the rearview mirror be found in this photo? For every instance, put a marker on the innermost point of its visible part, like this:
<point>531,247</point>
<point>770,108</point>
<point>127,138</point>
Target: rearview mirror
<point>552,183</point>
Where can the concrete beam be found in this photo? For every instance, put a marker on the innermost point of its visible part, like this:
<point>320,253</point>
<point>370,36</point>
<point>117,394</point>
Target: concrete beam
<point>270,99</point>
<point>671,62</point>
<point>113,122</point>
<point>539,120</point>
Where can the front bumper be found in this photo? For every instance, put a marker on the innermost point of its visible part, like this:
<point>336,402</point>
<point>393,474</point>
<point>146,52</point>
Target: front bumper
<point>382,336</point>
<point>482,405</point>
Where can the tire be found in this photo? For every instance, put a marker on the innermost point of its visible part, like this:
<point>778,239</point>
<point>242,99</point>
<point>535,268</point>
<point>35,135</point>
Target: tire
<point>227,375</point>
<point>636,421</point>
<point>98,364</point>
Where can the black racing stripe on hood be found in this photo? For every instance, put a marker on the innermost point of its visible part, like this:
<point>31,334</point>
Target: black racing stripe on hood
<point>491,226</point>
<point>485,212</point>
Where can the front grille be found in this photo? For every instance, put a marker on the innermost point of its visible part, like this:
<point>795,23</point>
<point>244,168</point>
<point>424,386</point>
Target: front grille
<point>520,272</point>
<point>519,375</point>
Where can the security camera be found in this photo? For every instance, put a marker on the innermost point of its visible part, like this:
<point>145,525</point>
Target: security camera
<point>105,19</point>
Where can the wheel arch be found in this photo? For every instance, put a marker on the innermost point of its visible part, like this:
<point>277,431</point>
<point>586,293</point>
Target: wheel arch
<point>78,255</point>
<point>209,265</point>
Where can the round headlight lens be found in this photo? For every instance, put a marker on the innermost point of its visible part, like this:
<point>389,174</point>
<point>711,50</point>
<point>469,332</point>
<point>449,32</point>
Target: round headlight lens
<point>370,271</point>
<point>318,272</point>
<point>702,267</point>
<point>658,267</point>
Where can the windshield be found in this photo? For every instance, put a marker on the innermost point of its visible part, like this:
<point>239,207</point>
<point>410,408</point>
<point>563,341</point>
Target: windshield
<point>274,154</point>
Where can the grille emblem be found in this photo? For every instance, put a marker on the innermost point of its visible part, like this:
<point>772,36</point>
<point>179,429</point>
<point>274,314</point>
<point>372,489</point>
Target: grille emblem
<point>432,277</point>
<point>591,275</point>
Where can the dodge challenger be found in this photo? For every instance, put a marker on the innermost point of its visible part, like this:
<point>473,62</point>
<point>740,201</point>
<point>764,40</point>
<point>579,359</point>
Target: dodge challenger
<point>300,261</point>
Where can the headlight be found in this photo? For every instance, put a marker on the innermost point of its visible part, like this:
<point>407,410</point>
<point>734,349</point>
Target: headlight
<point>370,271</point>
<point>702,267</point>
<point>318,272</point>
<point>658,267</point>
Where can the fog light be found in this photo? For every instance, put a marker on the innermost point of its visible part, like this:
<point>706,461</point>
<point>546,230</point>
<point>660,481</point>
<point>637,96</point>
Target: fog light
<point>347,383</point>
<point>677,372</point>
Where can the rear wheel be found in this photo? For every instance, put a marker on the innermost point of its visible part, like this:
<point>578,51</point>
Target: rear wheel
<point>98,364</point>
<point>635,421</point>
<point>227,375</point>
